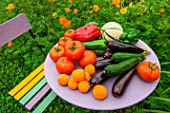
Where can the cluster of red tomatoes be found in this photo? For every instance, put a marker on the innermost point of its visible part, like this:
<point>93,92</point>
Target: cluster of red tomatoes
<point>69,50</point>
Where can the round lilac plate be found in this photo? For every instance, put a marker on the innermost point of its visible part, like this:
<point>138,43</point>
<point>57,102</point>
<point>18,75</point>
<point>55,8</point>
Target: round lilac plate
<point>136,91</point>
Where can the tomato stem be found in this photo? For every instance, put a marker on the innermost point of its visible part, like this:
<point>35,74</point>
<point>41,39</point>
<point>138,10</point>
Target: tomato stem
<point>57,49</point>
<point>152,66</point>
<point>65,39</point>
<point>74,46</point>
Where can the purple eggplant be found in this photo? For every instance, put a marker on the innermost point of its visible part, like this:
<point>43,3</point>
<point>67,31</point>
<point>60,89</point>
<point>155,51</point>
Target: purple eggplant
<point>101,64</point>
<point>108,53</point>
<point>123,47</point>
<point>121,83</point>
<point>98,78</point>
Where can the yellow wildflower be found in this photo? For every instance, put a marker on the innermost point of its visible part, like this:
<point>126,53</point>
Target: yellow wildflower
<point>70,1</point>
<point>67,24</point>
<point>10,7</point>
<point>67,9</point>
<point>130,4</point>
<point>54,14</point>
<point>162,10</point>
<point>75,11</point>
<point>123,11</point>
<point>51,1</point>
<point>96,8</point>
<point>9,44</point>
<point>62,20</point>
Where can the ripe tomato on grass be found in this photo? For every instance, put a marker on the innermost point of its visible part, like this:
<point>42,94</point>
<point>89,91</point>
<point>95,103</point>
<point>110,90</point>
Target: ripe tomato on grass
<point>56,52</point>
<point>63,40</point>
<point>65,65</point>
<point>148,71</point>
<point>74,50</point>
<point>89,57</point>
<point>70,33</point>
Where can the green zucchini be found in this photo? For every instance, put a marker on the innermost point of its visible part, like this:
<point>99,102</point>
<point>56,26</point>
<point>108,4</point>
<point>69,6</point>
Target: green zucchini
<point>120,56</point>
<point>96,44</point>
<point>122,67</point>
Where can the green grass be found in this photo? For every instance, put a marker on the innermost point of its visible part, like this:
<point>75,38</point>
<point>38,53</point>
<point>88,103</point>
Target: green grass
<point>21,59</point>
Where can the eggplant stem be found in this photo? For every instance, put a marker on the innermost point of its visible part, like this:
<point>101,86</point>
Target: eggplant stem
<point>146,52</point>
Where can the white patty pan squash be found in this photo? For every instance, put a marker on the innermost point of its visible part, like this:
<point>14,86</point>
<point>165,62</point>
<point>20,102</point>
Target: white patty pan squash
<point>111,31</point>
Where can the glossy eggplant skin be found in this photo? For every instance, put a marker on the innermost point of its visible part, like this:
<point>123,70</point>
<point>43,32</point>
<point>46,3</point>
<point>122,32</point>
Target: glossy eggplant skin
<point>98,78</point>
<point>123,47</point>
<point>108,53</point>
<point>101,64</point>
<point>121,83</point>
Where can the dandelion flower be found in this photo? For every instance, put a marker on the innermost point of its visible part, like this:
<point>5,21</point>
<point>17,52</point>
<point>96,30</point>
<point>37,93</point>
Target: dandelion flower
<point>123,11</point>
<point>54,14</point>
<point>10,7</point>
<point>96,8</point>
<point>162,10</point>
<point>67,24</point>
<point>9,44</point>
<point>67,9</point>
<point>130,4</point>
<point>51,1</point>
<point>75,11</point>
<point>62,20</point>
<point>70,1</point>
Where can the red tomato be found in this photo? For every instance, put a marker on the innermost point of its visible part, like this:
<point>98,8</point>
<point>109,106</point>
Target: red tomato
<point>88,58</point>
<point>74,50</point>
<point>63,40</point>
<point>148,71</point>
<point>56,52</point>
<point>65,65</point>
<point>70,33</point>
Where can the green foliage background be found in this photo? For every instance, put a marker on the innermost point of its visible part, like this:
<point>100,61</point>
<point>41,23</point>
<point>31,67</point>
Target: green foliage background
<point>21,59</point>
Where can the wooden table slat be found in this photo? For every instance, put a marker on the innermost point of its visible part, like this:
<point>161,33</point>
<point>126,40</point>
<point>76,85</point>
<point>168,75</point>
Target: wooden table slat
<point>37,97</point>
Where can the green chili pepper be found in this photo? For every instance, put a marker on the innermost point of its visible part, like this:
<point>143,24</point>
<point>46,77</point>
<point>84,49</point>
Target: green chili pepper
<point>124,36</point>
<point>131,36</point>
<point>127,41</point>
